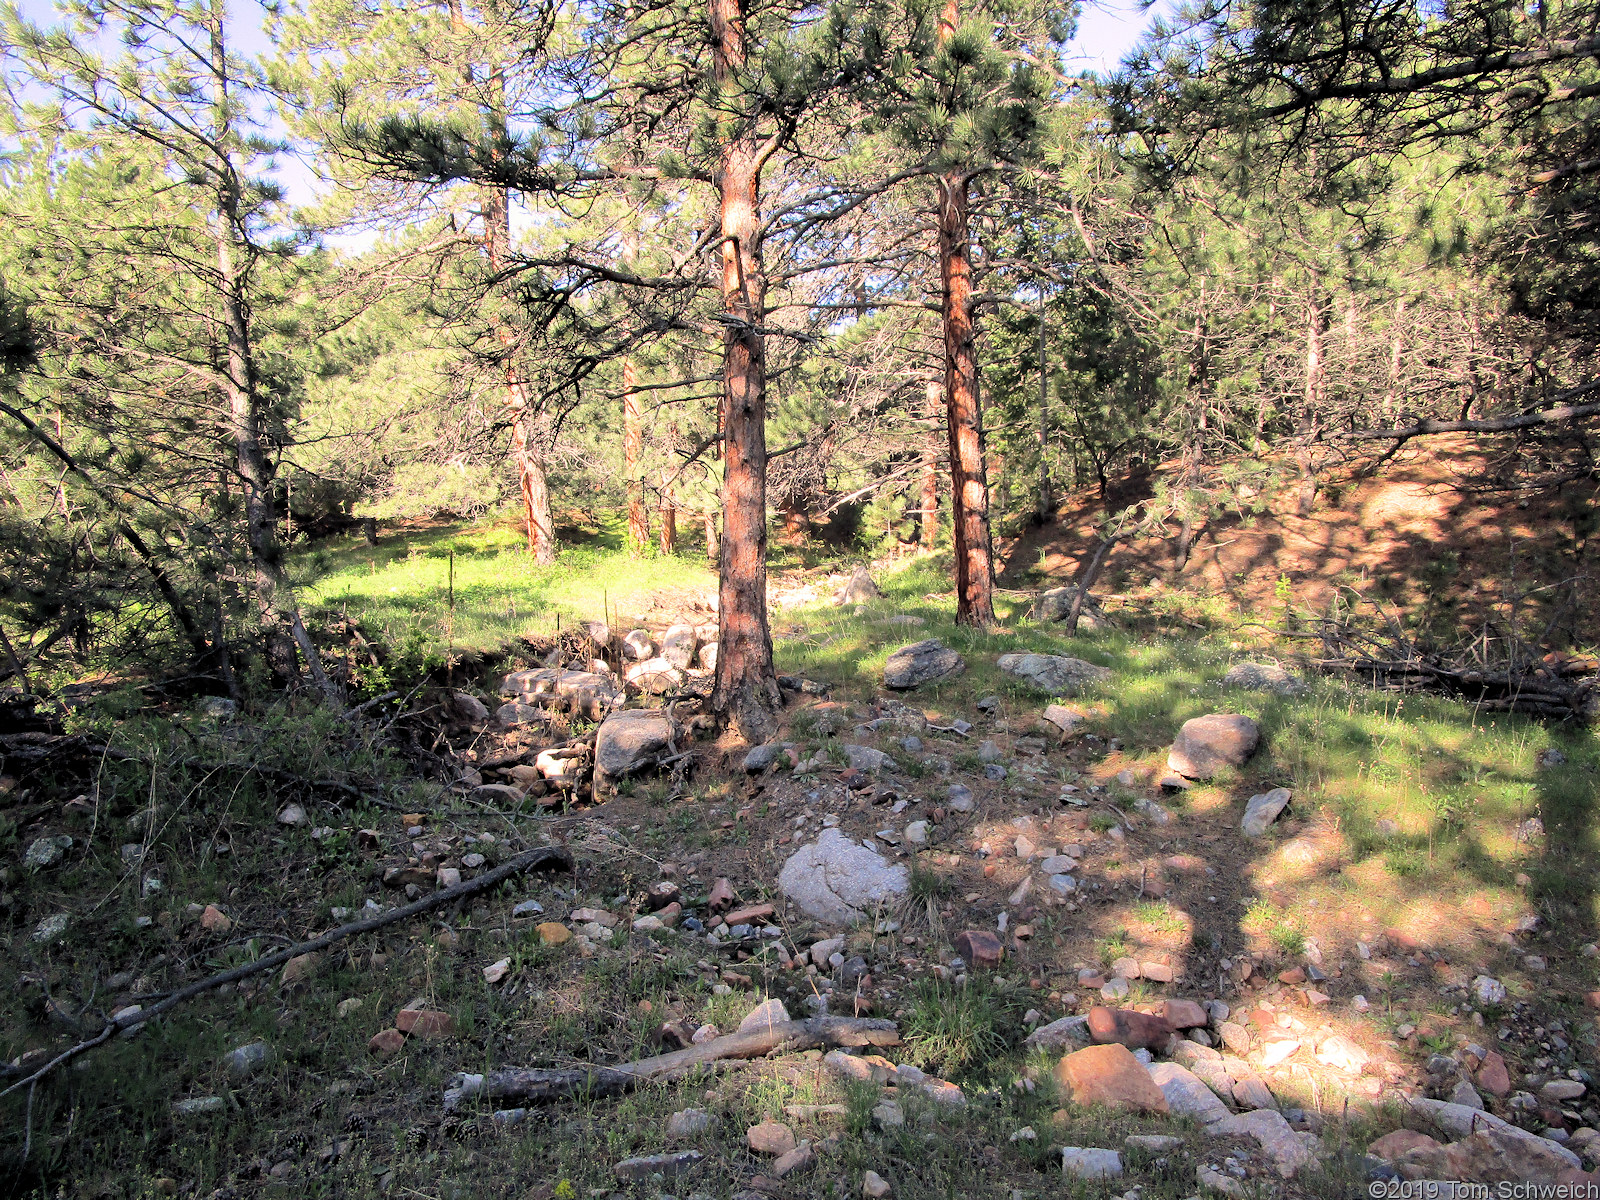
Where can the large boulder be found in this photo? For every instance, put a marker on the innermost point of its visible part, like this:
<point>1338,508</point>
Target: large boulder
<point>921,662</point>
<point>1263,677</point>
<point>631,741</point>
<point>1056,605</point>
<point>1207,744</point>
<point>1187,1095</point>
<point>1053,673</point>
<point>838,881</point>
<point>859,590</point>
<point>1487,1156</point>
<point>654,676</point>
<point>678,646</point>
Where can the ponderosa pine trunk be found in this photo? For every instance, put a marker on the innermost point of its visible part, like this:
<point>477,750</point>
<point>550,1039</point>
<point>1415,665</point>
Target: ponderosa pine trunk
<point>281,624</point>
<point>746,692</point>
<point>1315,394</point>
<point>1046,492</point>
<point>632,451</point>
<point>969,489</point>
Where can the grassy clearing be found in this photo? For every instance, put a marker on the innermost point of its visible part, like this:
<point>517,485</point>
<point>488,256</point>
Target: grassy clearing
<point>400,590</point>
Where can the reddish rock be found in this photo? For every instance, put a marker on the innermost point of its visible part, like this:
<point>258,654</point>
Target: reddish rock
<point>368,839</point>
<point>300,968</point>
<point>1592,999</point>
<point>1184,1014</point>
<point>671,914</point>
<point>659,895</point>
<point>770,1137</point>
<point>749,915</point>
<point>1262,1019</point>
<point>1185,864</point>
<point>1392,1145</point>
<point>721,896</point>
<point>425,1023</point>
<point>214,920</point>
<point>387,1042</point>
<point>1493,1077</point>
<point>1292,976</point>
<point>979,948</point>
<point>1128,1028</point>
<point>1109,1075</point>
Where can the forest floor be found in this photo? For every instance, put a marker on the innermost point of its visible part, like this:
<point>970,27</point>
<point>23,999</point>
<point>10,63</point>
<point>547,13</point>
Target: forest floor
<point>1426,845</point>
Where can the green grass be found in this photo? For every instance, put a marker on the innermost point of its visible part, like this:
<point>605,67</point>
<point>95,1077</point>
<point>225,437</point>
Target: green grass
<point>402,587</point>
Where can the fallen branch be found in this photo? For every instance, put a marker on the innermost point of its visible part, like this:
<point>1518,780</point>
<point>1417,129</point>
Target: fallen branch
<point>1424,428</point>
<point>533,1085</point>
<point>526,861</point>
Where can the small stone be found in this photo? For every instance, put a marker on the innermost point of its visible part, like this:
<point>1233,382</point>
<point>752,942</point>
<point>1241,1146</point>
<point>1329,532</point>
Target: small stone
<point>553,933</point>
<point>888,1115</point>
<point>763,1017</point>
<point>1492,1075</point>
<point>1261,811</point>
<point>689,1123</point>
<point>792,1163</point>
<point>959,797</point>
<point>1153,1143</point>
<point>425,1023</point>
<point>387,1042</point>
<point>770,1137</point>
<point>1465,1095</point>
<point>1489,990</point>
<point>668,1166</point>
<point>1184,1014</point>
<point>45,852</point>
<point>979,948</point>
<point>348,1007</point>
<point>198,1107</point>
<point>1235,1037</point>
<point>214,920</point>
<point>1115,989</point>
<point>1561,1091</point>
<point>300,968</point>
<point>704,1034</point>
<point>497,970</point>
<point>244,1061</point>
<point>1085,1162</point>
<point>874,1186</point>
<point>1392,1145</point>
<point>292,814</point>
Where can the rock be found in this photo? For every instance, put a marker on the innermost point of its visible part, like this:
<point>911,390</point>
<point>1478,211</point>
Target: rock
<point>959,797</point>
<point>989,751</point>
<point>1458,1121</point>
<point>387,1042</point>
<point>1392,1145</point>
<point>631,741</point>
<point>654,676</point>
<point>888,1115</point>
<point>668,1166</point>
<point>792,1163</point>
<point>759,758</point>
<point>1153,1143</point>
<point>708,656</point>
<point>1249,1090</point>
<point>1465,1094</point>
<point>859,590</point>
<point>721,896</point>
<point>497,970</point>
<point>637,645</point>
<point>594,916</point>
<point>1184,1014</point>
<point>1342,1054</point>
<point>214,920</point>
<point>1561,1091</point>
<point>1186,1094</point>
<point>1053,673</point>
<point>587,692</point>
<point>867,758</point>
<point>1109,1075</point>
<point>291,814</point>
<point>764,1016</point>
<point>850,1067</point>
<point>979,948</point>
<point>874,1186</point>
<point>770,1137</point>
<point>678,645</point>
<point>1489,990</point>
<point>1067,1031</point>
<point>838,881</point>
<point>689,1123</point>
<point>425,1023</point>
<point>1156,972</point>
<point>300,968</point>
<point>1055,604</point>
<point>1288,1150</point>
<point>1263,677</point>
<point>1261,811</point>
<point>348,1007</point>
<point>246,1059</point>
<point>1069,721</point>
<point>447,877</point>
<point>919,663</point>
<point>1115,989</point>
<point>1129,1028</point>
<point>553,933</point>
<point>464,706</point>
<point>517,713</point>
<point>1205,745</point>
<point>1491,1155</point>
<point>1276,1052</point>
<point>1492,1076</point>
<point>1085,1162</point>
<point>46,852</point>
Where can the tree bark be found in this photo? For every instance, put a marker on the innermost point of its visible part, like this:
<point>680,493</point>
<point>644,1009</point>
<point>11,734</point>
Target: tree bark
<point>969,490</point>
<point>274,597</point>
<point>1046,493</point>
<point>632,451</point>
<point>746,691</point>
<point>668,514</point>
<point>1315,395</point>
<point>708,519</point>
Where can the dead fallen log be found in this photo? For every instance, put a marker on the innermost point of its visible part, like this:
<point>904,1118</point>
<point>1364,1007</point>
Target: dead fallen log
<point>528,860</point>
<point>536,1085</point>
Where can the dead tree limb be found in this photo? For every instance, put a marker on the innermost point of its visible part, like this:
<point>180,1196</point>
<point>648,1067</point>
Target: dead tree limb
<point>1548,416</point>
<point>528,860</point>
<point>534,1085</point>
